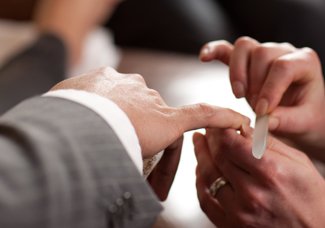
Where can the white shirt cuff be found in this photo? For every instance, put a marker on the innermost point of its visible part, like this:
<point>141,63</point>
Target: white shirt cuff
<point>112,114</point>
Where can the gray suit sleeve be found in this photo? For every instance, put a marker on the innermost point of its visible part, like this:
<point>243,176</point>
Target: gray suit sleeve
<point>62,166</point>
<point>33,71</point>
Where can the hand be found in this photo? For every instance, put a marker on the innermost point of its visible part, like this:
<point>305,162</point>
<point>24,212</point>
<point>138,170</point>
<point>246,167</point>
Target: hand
<point>162,176</point>
<point>157,125</point>
<point>72,20</point>
<point>281,80</point>
<point>283,189</point>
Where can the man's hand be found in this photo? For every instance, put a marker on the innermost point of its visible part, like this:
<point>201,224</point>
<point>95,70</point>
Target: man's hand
<point>283,189</point>
<point>157,125</point>
<point>280,80</point>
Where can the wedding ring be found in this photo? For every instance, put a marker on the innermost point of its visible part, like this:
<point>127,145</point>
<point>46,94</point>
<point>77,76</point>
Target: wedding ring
<point>216,185</point>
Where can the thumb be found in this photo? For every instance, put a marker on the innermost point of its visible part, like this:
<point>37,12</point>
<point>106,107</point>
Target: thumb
<point>203,115</point>
<point>289,119</point>
<point>219,50</point>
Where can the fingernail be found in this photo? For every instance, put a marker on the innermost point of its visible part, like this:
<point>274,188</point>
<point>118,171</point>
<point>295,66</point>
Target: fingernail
<point>206,51</point>
<point>273,123</point>
<point>196,138</point>
<point>246,131</point>
<point>262,107</point>
<point>243,130</point>
<point>239,89</point>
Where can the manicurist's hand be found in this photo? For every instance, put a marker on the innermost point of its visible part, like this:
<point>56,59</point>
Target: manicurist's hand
<point>281,80</point>
<point>283,189</point>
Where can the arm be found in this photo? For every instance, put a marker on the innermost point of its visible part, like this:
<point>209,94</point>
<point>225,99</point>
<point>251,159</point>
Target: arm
<point>76,162</point>
<point>58,168</point>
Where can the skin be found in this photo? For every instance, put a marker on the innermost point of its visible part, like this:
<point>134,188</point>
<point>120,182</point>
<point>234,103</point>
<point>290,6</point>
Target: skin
<point>283,189</point>
<point>157,125</point>
<point>72,20</point>
<point>280,80</point>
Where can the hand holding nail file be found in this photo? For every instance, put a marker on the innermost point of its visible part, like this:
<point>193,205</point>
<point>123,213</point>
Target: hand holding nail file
<point>260,135</point>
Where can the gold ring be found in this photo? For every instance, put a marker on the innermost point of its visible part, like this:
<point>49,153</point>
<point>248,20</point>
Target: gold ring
<point>216,185</point>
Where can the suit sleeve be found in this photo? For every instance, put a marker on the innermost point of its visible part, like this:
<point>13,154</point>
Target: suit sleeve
<point>61,165</point>
<point>33,71</point>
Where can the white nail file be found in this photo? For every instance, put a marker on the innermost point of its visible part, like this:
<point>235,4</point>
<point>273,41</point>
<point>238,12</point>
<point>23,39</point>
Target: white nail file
<point>260,136</point>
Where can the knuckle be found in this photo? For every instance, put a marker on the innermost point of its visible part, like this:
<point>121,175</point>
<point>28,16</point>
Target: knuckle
<point>287,46</point>
<point>312,57</point>
<point>107,71</point>
<point>243,41</point>
<point>283,67</point>
<point>261,52</point>
<point>206,109</point>
<point>255,200</point>
<point>275,173</point>
<point>311,53</point>
<point>138,77</point>
<point>153,93</point>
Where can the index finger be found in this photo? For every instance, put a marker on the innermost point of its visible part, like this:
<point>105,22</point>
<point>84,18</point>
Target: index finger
<point>301,67</point>
<point>217,50</point>
<point>208,116</point>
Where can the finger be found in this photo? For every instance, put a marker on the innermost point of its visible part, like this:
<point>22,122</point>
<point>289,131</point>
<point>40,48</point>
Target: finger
<point>204,116</point>
<point>239,65</point>
<point>280,151</point>
<point>216,50</point>
<point>238,149</point>
<point>284,119</point>
<point>261,59</point>
<point>206,168</point>
<point>209,205</point>
<point>162,177</point>
<point>298,67</point>
<point>237,176</point>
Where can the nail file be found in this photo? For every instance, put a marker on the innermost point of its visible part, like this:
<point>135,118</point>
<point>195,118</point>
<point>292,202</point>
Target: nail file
<point>260,136</point>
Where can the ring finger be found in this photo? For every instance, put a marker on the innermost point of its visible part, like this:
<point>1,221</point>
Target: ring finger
<point>208,172</point>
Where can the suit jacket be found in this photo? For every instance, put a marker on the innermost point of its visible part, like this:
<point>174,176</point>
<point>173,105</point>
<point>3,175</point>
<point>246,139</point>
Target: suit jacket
<point>33,71</point>
<point>62,166</point>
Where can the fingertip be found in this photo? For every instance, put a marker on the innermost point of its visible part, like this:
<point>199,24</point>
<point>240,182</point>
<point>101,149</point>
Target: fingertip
<point>205,54</point>
<point>216,50</point>
<point>274,123</point>
<point>262,107</point>
<point>238,89</point>
<point>197,138</point>
<point>246,131</point>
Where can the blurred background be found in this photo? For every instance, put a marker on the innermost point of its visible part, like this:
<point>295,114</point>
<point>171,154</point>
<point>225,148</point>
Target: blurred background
<point>161,40</point>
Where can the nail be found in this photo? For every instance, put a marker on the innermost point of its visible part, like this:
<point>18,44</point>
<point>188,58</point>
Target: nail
<point>243,130</point>
<point>239,89</point>
<point>262,107</point>
<point>274,123</point>
<point>197,138</point>
<point>206,51</point>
